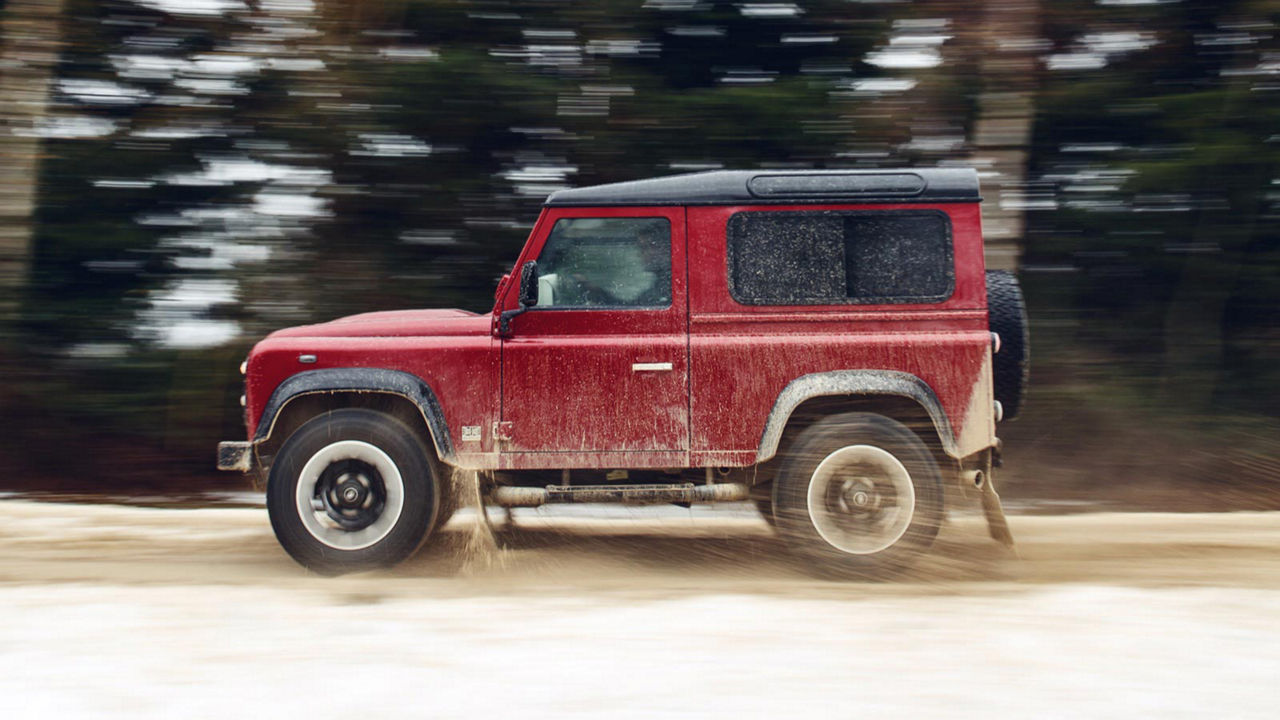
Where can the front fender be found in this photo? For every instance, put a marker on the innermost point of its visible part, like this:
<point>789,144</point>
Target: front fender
<point>359,379</point>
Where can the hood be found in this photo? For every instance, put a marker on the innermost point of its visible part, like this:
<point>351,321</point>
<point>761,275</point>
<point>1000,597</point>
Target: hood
<point>395,323</point>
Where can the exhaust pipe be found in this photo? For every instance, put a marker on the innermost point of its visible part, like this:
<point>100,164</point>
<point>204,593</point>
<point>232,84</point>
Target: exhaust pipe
<point>975,478</point>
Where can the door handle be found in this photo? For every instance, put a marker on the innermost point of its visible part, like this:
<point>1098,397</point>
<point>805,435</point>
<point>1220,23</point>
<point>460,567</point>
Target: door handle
<point>651,367</point>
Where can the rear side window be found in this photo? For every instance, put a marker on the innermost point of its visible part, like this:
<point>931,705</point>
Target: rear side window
<point>833,257</point>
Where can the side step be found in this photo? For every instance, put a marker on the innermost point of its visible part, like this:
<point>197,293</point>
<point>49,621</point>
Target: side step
<point>509,496</point>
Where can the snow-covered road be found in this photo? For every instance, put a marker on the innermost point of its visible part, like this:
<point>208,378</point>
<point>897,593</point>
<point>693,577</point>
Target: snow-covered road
<point>109,611</point>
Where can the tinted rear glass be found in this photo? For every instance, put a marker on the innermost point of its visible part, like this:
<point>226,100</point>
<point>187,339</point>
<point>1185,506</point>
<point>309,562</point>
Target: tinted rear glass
<point>832,257</point>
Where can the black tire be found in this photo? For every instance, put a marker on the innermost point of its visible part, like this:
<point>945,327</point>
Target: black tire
<point>764,506</point>
<point>450,495</point>
<point>873,511</point>
<point>1011,367</point>
<point>331,460</point>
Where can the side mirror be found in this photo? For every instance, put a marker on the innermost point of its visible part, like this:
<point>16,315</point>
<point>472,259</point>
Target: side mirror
<point>527,296</point>
<point>529,284</point>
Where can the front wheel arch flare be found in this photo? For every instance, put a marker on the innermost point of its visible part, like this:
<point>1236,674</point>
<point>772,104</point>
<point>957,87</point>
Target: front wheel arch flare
<point>358,381</point>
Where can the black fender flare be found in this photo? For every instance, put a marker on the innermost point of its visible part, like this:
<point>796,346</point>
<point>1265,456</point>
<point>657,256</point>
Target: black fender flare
<point>360,380</point>
<point>863,383</point>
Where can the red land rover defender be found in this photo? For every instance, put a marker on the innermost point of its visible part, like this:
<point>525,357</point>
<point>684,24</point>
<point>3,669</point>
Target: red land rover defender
<point>826,344</point>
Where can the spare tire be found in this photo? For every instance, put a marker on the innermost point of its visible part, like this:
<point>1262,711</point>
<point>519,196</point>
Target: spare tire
<point>1007,316</point>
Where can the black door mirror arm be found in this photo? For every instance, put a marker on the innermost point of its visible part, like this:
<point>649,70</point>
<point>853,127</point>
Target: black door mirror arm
<point>527,297</point>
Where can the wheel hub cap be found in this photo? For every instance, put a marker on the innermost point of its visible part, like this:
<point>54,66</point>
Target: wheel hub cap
<point>350,495</point>
<point>861,499</point>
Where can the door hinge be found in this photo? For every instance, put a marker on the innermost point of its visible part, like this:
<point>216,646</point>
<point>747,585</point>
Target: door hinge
<point>502,430</point>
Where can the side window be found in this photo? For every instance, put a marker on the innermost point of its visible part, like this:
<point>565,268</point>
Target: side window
<point>606,262</point>
<point>832,257</point>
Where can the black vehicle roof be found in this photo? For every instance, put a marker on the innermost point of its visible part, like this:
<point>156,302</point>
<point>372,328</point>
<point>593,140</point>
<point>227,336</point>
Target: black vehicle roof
<point>760,187</point>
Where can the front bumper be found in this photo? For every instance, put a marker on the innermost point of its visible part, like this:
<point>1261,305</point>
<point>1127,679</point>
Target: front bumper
<point>235,455</point>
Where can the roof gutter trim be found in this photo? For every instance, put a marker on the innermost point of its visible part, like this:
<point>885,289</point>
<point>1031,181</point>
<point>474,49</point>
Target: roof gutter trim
<point>782,187</point>
<point>840,200</point>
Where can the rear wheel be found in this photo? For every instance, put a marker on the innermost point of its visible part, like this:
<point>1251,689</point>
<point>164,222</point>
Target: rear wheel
<point>352,490</point>
<point>764,506</point>
<point>858,495</point>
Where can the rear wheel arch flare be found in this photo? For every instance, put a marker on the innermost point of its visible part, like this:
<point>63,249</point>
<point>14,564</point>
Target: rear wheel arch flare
<point>852,387</point>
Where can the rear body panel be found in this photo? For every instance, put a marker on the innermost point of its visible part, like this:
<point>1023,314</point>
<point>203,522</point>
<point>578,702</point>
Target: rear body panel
<point>742,356</point>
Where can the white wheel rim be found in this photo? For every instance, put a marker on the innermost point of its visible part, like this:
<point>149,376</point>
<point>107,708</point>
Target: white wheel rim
<point>861,499</point>
<point>317,520</point>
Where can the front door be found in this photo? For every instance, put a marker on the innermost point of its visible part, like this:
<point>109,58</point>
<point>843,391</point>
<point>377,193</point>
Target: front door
<point>596,373</point>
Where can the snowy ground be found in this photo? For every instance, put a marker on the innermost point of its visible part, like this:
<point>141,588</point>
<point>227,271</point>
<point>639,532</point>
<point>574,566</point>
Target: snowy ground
<point>110,611</point>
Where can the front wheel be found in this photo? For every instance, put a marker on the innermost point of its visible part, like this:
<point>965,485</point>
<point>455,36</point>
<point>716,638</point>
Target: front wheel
<point>858,495</point>
<point>352,490</point>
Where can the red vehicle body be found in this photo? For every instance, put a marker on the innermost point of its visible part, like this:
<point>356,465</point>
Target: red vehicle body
<point>707,382</point>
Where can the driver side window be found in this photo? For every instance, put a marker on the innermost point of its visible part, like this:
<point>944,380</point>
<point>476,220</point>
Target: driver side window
<point>606,263</point>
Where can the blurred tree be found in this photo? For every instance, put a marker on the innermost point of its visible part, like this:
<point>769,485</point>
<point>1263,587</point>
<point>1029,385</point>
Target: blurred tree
<point>214,170</point>
<point>223,171</point>
<point>1156,150</point>
<point>30,34</point>
<point>460,118</point>
<point>1008,38</point>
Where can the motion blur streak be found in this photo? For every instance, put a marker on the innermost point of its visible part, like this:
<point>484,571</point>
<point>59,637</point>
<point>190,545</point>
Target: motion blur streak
<point>179,177</point>
<point>183,176</point>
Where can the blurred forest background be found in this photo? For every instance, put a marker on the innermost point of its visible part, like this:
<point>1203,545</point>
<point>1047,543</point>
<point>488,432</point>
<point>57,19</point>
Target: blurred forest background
<point>180,177</point>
